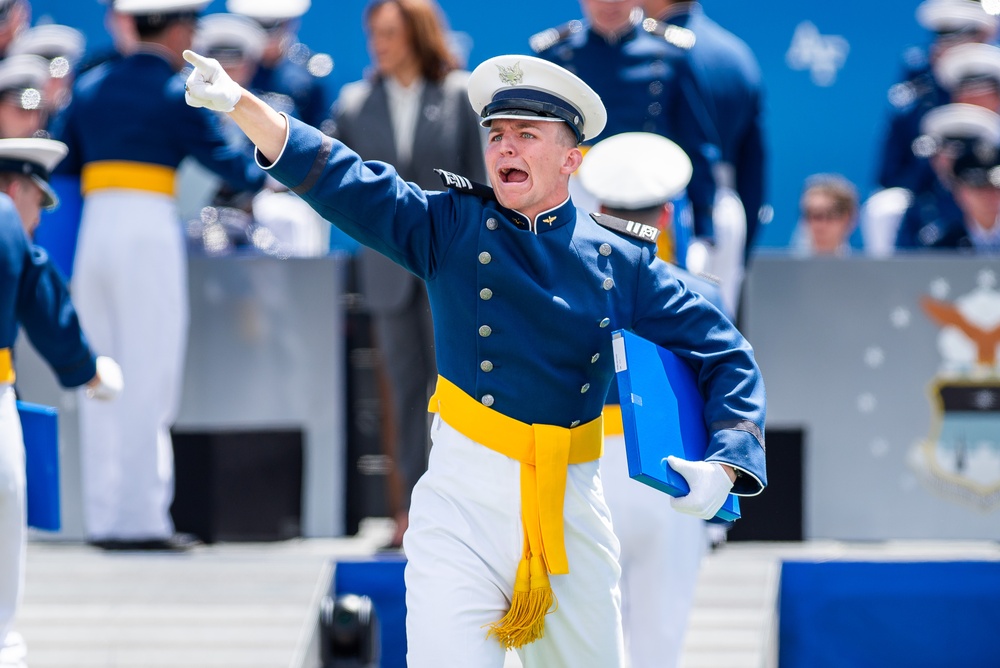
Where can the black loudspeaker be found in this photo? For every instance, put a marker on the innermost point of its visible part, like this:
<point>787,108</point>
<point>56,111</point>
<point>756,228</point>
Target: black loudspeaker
<point>368,466</point>
<point>238,485</point>
<point>776,513</point>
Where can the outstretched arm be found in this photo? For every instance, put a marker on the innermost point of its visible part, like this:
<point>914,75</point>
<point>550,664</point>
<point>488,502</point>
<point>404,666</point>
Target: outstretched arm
<point>209,86</point>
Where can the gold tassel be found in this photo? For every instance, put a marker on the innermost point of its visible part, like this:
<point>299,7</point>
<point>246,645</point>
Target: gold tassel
<point>533,599</point>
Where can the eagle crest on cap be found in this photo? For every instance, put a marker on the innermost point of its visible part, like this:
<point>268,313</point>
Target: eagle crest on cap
<point>512,76</point>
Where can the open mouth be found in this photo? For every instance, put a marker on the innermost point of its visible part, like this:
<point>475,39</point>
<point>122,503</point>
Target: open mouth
<point>512,175</point>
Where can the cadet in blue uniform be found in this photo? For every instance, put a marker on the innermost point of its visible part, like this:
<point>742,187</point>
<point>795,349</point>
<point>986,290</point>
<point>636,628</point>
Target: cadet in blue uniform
<point>729,81</point>
<point>645,83</point>
<point>128,129</point>
<point>931,218</point>
<point>636,176</point>
<point>962,208</point>
<point>953,22</point>
<point>525,294</point>
<point>289,76</point>
<point>34,296</point>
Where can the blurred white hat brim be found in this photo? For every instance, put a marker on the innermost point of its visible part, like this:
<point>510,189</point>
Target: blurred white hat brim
<point>147,7</point>
<point>269,10</point>
<point>962,121</point>
<point>635,170</point>
<point>36,158</point>
<point>954,15</point>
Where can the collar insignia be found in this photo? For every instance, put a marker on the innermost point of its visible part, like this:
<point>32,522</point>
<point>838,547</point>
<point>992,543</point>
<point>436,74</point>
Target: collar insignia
<point>511,76</point>
<point>549,220</point>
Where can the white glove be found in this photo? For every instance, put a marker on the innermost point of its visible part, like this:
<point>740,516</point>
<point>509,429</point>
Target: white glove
<point>709,483</point>
<point>109,380</point>
<point>209,86</point>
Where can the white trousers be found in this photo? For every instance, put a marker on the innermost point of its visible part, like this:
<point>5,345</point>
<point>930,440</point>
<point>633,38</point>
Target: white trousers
<point>130,290</point>
<point>661,555</point>
<point>13,529</point>
<point>463,545</point>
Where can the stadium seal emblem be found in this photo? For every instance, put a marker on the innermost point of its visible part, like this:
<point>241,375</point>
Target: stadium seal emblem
<point>961,458</point>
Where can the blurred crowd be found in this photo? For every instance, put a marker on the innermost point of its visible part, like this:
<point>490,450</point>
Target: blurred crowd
<point>662,67</point>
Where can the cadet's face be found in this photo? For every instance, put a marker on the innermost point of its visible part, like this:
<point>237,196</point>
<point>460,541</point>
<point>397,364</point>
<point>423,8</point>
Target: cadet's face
<point>982,204</point>
<point>529,164</point>
<point>389,39</point>
<point>18,122</point>
<point>27,198</point>
<point>608,16</point>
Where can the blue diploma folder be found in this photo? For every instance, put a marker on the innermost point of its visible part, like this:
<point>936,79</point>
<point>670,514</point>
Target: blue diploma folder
<point>40,425</point>
<point>662,413</point>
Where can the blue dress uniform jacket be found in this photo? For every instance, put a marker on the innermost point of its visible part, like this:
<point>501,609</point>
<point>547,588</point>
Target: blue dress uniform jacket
<point>911,99</point>
<point>524,309</point>
<point>729,79</point>
<point>133,110</point>
<point>933,221</point>
<point>646,85</point>
<point>34,295</point>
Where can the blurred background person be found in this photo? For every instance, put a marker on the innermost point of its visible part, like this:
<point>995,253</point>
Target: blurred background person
<point>63,47</point>
<point>128,128</point>
<point>645,83</point>
<point>636,176</point>
<point>969,75</point>
<point>730,85</point>
<point>934,218</point>
<point>953,23</point>
<point>413,112</point>
<point>15,17</point>
<point>828,214</point>
<point>33,295</point>
<point>289,76</point>
<point>970,169</point>
<point>24,107</point>
<point>124,38</point>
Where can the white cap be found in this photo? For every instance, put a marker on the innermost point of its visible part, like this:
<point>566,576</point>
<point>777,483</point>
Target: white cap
<point>946,16</point>
<point>520,86</point>
<point>960,122</point>
<point>267,11</point>
<point>967,61</point>
<point>52,42</point>
<point>25,75</point>
<point>34,157</point>
<point>635,170</point>
<point>231,36</point>
<point>49,40</point>
<point>149,7</point>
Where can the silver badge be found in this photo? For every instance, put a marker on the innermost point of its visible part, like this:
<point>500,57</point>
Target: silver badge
<point>511,76</point>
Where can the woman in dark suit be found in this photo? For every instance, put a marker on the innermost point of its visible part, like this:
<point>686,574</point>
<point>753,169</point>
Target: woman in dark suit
<point>412,112</point>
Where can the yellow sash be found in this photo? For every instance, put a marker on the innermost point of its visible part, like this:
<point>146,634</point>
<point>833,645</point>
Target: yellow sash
<point>105,174</point>
<point>544,451</point>
<point>6,366</point>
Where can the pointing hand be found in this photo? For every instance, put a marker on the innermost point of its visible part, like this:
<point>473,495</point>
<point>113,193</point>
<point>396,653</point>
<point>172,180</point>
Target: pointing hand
<point>209,86</point>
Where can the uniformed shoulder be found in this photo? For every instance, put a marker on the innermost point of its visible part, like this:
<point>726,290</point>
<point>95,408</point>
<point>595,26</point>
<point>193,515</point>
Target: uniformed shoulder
<point>679,36</point>
<point>628,228</point>
<point>464,185</point>
<point>546,39</point>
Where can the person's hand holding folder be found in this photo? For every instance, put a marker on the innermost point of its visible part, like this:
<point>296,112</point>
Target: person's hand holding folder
<point>710,484</point>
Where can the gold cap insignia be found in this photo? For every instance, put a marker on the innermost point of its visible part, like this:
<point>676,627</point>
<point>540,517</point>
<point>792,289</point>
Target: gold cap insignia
<point>511,76</point>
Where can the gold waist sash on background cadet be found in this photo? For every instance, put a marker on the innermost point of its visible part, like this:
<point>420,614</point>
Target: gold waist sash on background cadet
<point>6,366</point>
<point>544,451</point>
<point>613,425</point>
<point>123,174</point>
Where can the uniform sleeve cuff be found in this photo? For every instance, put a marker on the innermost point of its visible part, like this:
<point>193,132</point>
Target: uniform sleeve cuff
<point>262,161</point>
